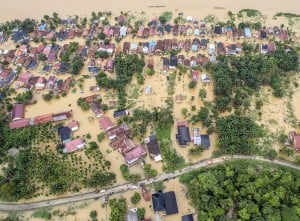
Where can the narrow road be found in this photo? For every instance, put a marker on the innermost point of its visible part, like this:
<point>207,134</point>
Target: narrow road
<point>127,186</point>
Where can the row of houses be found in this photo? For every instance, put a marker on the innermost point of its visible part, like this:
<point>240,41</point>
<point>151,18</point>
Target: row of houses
<point>28,81</point>
<point>18,119</point>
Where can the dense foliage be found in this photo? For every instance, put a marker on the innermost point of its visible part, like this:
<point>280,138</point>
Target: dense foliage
<point>125,67</point>
<point>238,134</point>
<point>30,167</point>
<point>77,64</point>
<point>24,97</point>
<point>24,137</point>
<point>118,209</point>
<point>135,198</point>
<point>245,190</point>
<point>131,177</point>
<point>235,77</point>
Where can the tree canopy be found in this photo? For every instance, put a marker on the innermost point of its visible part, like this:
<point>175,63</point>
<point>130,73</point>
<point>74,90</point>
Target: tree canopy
<point>245,190</point>
<point>238,134</point>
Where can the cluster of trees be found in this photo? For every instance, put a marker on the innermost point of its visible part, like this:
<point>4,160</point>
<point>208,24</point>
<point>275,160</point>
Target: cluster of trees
<point>24,97</point>
<point>83,104</point>
<point>76,65</point>
<point>30,168</point>
<point>142,118</point>
<point>72,47</point>
<point>118,209</point>
<point>24,137</point>
<point>237,77</point>
<point>101,179</point>
<point>26,25</point>
<point>125,67</point>
<point>149,172</point>
<point>238,134</point>
<point>245,190</point>
<point>131,177</point>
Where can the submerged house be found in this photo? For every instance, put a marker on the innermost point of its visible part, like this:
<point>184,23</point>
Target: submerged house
<point>134,155</point>
<point>74,145</point>
<point>165,202</point>
<point>65,134</point>
<point>153,148</point>
<point>18,112</point>
<point>183,133</point>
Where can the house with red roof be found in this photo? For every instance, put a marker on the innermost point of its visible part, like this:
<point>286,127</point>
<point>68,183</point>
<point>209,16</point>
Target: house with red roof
<point>74,145</point>
<point>294,139</point>
<point>42,119</point>
<point>41,83</point>
<point>19,123</point>
<point>18,112</point>
<point>134,155</point>
<point>24,78</point>
<point>105,123</point>
<point>96,108</point>
<point>73,125</point>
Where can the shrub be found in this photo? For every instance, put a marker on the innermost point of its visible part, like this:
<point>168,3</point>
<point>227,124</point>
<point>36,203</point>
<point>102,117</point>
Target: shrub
<point>135,198</point>
<point>93,214</point>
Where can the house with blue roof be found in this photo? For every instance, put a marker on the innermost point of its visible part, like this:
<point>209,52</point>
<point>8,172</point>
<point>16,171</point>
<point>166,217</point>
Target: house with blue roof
<point>247,32</point>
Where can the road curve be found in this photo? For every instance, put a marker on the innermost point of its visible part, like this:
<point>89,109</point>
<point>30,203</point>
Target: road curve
<point>127,186</point>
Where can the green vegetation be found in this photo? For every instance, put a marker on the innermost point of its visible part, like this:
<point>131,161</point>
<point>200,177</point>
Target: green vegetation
<point>93,214</point>
<point>245,190</point>
<point>77,64</point>
<point>118,209</point>
<point>165,17</point>
<point>72,47</point>
<point>192,84</point>
<point>101,136</point>
<point>197,150</point>
<point>42,213</point>
<point>24,137</point>
<point>125,67</point>
<point>149,172</point>
<point>135,198</point>
<point>202,93</point>
<point>171,159</point>
<point>238,134</point>
<point>237,77</point>
<point>141,213</point>
<point>24,97</point>
<point>127,175</point>
<point>83,104</point>
<point>34,171</point>
<point>101,179</point>
<point>249,13</point>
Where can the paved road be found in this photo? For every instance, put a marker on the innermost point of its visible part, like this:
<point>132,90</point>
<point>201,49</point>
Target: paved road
<point>127,186</point>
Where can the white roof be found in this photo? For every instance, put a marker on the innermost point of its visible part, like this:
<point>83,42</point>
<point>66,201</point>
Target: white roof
<point>189,18</point>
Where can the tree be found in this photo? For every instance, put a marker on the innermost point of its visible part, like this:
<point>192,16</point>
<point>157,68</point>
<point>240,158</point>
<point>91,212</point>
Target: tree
<point>118,209</point>
<point>202,93</point>
<point>141,213</point>
<point>101,36</point>
<point>192,84</point>
<point>149,172</point>
<point>184,111</point>
<point>93,214</point>
<point>101,136</point>
<point>135,198</point>
<point>76,65</point>
<point>42,57</point>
